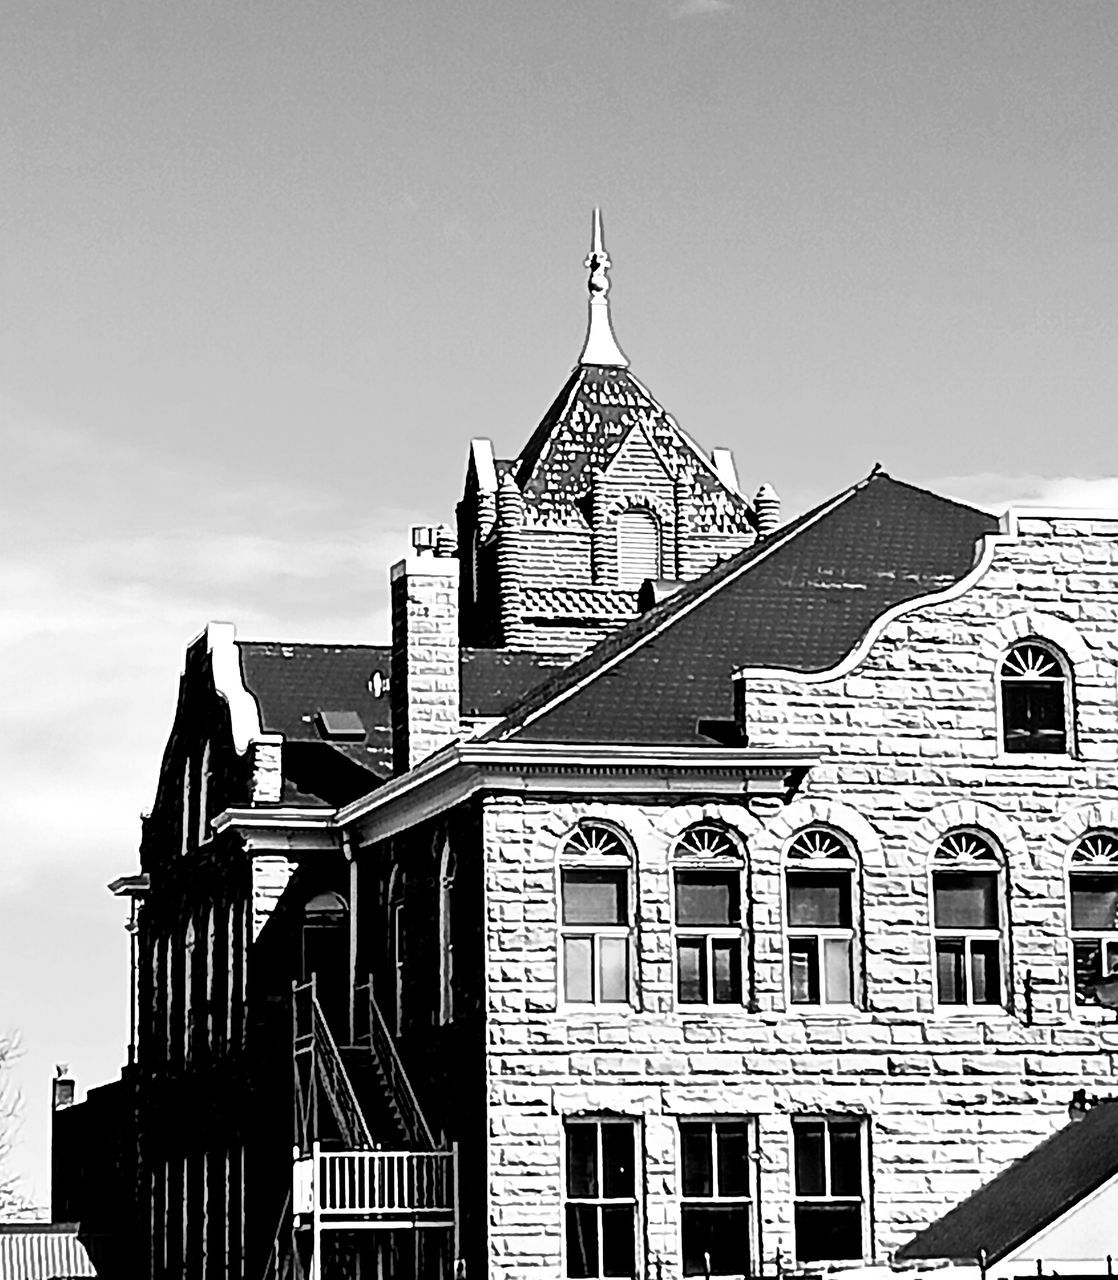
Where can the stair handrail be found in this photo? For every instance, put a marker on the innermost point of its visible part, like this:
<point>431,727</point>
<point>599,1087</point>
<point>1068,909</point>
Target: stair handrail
<point>383,1044</point>
<point>273,1272</point>
<point>335,1079</point>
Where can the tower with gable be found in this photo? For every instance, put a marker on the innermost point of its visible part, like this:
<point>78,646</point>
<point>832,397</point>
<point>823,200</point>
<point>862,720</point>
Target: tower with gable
<point>608,494</point>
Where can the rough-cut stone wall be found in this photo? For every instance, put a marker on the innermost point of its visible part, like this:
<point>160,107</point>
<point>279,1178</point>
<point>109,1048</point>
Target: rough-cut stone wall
<point>909,740</point>
<point>425,656</point>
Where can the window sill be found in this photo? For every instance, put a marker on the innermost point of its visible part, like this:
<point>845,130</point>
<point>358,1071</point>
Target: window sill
<point>1038,760</point>
<point>980,1011</point>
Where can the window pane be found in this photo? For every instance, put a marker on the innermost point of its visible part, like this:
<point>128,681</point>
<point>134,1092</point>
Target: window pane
<point>582,1241</point>
<point>595,897</point>
<point>582,1161</point>
<point>691,954</point>
<point>727,971</point>
<point>819,899</point>
<point>985,972</point>
<point>838,971</point>
<point>619,1253</point>
<point>617,1160</point>
<point>846,1158</point>
<point>828,1231</point>
<point>1094,901</point>
<point>807,1140</point>
<point>1088,968</point>
<point>613,975</point>
<point>696,1158</point>
<point>803,970</point>
<point>707,897</point>
<point>950,983</point>
<point>721,1233</point>
<point>966,899</point>
<point>733,1159</point>
<point>576,970</point>
<point>1033,715</point>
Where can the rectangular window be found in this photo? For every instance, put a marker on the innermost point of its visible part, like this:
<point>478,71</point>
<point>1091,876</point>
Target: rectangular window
<point>1094,929</point>
<point>601,1200</point>
<point>968,942</point>
<point>708,942</point>
<point>595,914</point>
<point>716,1197</point>
<point>831,1216</point>
<point>820,937</point>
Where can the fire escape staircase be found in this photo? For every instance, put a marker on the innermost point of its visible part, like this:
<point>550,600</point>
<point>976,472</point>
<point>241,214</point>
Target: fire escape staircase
<point>364,1156</point>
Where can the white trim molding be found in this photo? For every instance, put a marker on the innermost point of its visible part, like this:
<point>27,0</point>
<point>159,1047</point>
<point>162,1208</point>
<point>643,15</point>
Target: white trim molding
<point>225,664</point>
<point>593,770</point>
<point>990,544</point>
<point>283,829</point>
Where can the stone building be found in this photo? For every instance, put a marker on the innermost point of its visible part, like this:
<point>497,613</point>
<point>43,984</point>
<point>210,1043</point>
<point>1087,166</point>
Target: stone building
<point>680,893</point>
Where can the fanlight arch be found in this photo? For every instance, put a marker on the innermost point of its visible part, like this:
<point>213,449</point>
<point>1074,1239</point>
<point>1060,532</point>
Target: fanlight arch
<point>1034,688</point>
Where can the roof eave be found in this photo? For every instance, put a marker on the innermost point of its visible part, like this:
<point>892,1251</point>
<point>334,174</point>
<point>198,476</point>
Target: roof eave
<point>464,769</point>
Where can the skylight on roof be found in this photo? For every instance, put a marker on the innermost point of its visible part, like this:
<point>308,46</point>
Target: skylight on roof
<point>340,726</point>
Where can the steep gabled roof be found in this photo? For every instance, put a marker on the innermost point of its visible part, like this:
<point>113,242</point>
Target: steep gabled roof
<point>1029,1195</point>
<point>586,426</point>
<point>799,599</point>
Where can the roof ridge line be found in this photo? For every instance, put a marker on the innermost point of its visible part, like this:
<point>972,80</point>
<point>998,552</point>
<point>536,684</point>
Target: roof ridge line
<point>574,381</point>
<point>682,608</point>
<point>689,440</point>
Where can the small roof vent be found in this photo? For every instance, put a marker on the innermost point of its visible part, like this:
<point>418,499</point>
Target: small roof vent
<point>340,726</point>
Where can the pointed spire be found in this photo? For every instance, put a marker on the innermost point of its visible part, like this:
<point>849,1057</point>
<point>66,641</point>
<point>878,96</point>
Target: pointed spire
<point>600,346</point>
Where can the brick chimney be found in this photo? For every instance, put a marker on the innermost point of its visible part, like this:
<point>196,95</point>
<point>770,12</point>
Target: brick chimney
<point>424,687</point>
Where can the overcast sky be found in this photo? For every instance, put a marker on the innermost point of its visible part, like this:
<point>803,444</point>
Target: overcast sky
<point>265,267</point>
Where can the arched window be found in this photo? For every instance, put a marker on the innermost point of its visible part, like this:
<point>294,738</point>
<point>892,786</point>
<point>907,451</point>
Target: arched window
<point>595,916</point>
<point>708,919</point>
<point>325,958</point>
<point>820,897</point>
<point>188,991</point>
<point>396,943</point>
<point>184,816</point>
<point>447,868</point>
<point>211,965</point>
<point>968,920</point>
<point>638,547</point>
<point>204,795</point>
<point>1035,688</point>
<point>1093,898</point>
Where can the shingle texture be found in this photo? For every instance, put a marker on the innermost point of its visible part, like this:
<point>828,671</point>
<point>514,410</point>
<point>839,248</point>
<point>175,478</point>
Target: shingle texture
<point>586,426</point>
<point>495,679</point>
<point>1032,1193</point>
<point>42,1251</point>
<point>800,599</point>
<point>292,683</point>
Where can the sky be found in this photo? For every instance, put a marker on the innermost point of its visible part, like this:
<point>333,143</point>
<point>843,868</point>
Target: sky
<point>267,265</point>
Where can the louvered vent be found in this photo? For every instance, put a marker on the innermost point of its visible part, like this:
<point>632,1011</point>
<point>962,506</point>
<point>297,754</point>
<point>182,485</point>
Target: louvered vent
<point>638,548</point>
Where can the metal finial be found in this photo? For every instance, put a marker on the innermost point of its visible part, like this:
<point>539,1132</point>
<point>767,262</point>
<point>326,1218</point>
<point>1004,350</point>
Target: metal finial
<point>600,346</point>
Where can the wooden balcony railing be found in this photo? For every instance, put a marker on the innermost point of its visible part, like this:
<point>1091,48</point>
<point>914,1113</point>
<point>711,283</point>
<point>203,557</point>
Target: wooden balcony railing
<point>398,1187</point>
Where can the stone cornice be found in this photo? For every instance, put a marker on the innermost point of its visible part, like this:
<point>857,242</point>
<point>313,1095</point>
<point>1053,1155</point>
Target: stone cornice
<point>283,829</point>
<point>465,768</point>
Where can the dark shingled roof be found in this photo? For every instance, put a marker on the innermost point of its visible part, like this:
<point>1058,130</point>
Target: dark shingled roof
<point>293,683</point>
<point>586,426</point>
<point>1032,1193</point>
<point>800,599</point>
<point>495,679</point>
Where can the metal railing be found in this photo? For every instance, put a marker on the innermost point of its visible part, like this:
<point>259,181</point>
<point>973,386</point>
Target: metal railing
<point>313,1035</point>
<point>416,1186</point>
<point>376,1034</point>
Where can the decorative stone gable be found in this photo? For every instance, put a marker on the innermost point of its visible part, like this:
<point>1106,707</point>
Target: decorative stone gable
<point>555,543</point>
